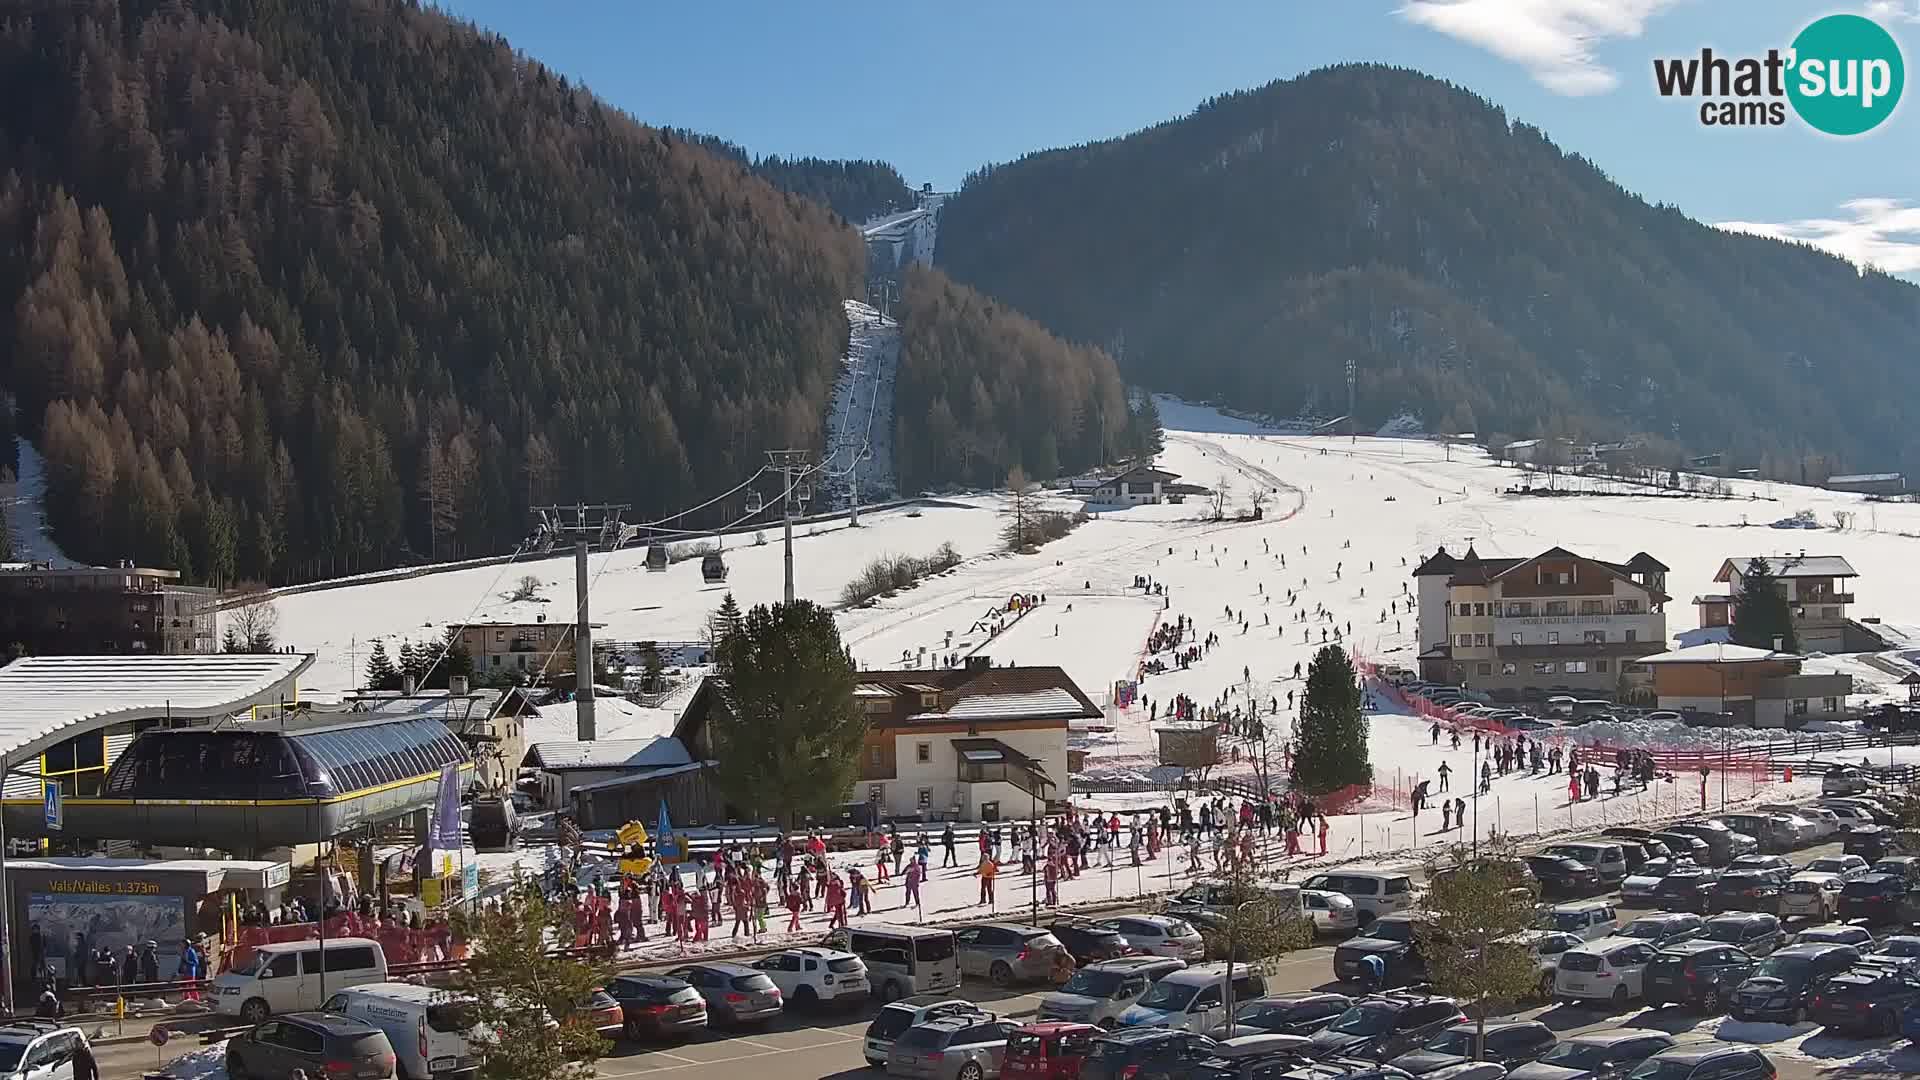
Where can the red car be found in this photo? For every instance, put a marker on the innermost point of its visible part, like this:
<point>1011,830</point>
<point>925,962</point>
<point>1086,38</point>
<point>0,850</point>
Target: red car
<point>1048,1051</point>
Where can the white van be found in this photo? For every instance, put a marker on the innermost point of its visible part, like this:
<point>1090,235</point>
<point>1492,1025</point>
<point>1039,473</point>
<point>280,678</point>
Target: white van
<point>431,1037</point>
<point>288,976</point>
<point>1195,999</point>
<point>1590,919</point>
<point>902,960</point>
<point>1374,892</point>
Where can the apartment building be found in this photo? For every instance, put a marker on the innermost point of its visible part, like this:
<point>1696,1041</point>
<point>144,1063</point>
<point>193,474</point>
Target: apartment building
<point>1758,687</point>
<point>103,610</point>
<point>528,647</point>
<point>1817,591</point>
<point>1556,621</point>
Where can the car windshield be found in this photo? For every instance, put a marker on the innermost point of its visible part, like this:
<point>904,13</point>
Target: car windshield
<point>1785,968</point>
<point>1663,1069</point>
<point>890,1022</point>
<point>1575,1055</point>
<point>1572,921</point>
<point>1364,1020</point>
<point>1169,995</point>
<point>1090,983</point>
<point>10,1055</point>
<point>1261,1013</point>
<point>1647,929</point>
<point>1729,931</point>
<point>1829,866</point>
<point>1392,930</point>
<point>1454,1040</point>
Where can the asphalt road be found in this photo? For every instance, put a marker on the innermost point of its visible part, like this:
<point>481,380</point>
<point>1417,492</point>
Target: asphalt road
<point>817,1047</point>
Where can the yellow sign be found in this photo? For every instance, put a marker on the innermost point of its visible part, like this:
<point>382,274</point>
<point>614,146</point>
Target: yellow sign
<point>432,892</point>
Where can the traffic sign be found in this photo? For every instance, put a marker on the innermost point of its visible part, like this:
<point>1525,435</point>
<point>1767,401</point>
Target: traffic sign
<point>55,812</point>
<point>159,1035</point>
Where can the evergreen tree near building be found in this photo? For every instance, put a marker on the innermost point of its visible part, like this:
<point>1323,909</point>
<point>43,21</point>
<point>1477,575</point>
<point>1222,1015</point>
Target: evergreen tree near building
<point>381,674</point>
<point>788,737</point>
<point>1760,610</point>
<point>455,661</point>
<point>1330,738</point>
<point>721,625</point>
<point>651,666</point>
<point>409,664</point>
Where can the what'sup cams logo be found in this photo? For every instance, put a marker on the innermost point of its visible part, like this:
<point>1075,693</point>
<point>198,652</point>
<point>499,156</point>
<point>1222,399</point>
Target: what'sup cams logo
<point>1842,76</point>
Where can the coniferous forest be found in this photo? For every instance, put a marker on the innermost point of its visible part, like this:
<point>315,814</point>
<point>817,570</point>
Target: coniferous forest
<point>1471,272</point>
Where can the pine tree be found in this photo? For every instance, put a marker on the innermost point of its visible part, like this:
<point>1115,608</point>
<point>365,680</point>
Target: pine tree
<point>788,739</point>
<point>456,660</point>
<point>650,665</point>
<point>409,662</point>
<point>415,661</point>
<point>381,674</point>
<point>1760,610</point>
<point>724,622</point>
<point>1330,740</point>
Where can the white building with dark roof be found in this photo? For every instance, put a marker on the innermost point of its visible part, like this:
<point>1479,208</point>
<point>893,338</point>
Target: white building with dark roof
<point>1817,592</point>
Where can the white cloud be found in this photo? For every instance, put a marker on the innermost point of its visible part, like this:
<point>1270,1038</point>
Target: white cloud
<point>1895,10</point>
<point>1555,40</point>
<point>1881,233</point>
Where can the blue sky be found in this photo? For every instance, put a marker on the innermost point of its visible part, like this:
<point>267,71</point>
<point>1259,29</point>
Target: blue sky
<point>939,89</point>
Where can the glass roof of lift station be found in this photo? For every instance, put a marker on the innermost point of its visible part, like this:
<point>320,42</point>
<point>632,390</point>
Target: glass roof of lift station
<point>244,762</point>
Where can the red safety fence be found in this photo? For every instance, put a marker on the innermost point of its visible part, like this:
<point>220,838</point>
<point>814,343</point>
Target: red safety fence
<point>401,944</point>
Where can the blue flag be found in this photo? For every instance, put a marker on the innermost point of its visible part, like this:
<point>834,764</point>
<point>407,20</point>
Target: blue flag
<point>443,829</point>
<point>663,841</point>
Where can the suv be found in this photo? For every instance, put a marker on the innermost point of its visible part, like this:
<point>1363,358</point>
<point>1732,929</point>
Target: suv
<point>1159,935</point>
<point>1721,843</point>
<point>1686,889</point>
<point>40,1048</point>
<point>1301,1013</point>
<point>1664,928</point>
<point>1596,1055</point>
<point>1811,895</point>
<point>1844,780</point>
<point>1392,940</point>
<point>1511,1043</point>
<point>896,1017</point>
<point>1708,1062</point>
<point>1866,999</point>
<point>1753,932</point>
<point>1779,986</point>
<point>810,975</point>
<point>1008,952</point>
<point>946,1047</point>
<point>1384,1026</point>
<point>1145,1054</point>
<point>1746,890</point>
<point>1089,942</point>
<point>1699,974</point>
<point>1877,898</point>
<point>1099,993</point>
<point>320,1044</point>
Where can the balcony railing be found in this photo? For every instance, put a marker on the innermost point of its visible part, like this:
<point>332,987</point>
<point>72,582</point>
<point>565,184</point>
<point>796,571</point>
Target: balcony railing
<point>1003,773</point>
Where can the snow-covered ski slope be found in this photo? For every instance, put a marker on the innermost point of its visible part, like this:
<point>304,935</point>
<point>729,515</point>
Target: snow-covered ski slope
<point>859,428</point>
<point>1394,500</point>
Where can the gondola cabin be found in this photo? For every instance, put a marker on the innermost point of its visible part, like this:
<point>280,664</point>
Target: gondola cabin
<point>713,568</point>
<point>656,557</point>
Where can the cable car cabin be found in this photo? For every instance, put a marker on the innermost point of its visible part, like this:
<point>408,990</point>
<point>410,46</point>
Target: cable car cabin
<point>755,503</point>
<point>713,568</point>
<point>656,557</point>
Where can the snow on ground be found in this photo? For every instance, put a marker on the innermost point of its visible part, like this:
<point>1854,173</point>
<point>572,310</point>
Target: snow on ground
<point>613,718</point>
<point>23,503</point>
<point>859,425</point>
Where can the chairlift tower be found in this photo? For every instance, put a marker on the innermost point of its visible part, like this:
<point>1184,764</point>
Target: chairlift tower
<point>793,469</point>
<point>585,524</point>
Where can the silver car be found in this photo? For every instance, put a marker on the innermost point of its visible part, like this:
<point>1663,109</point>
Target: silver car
<point>1099,993</point>
<point>952,1048</point>
<point>735,993</point>
<point>1008,952</point>
<point>1160,935</point>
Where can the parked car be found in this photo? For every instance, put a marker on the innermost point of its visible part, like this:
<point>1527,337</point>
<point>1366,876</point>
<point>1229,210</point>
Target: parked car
<point>1590,919</point>
<point>316,1043</point>
<point>1845,867</point>
<point>1763,862</point>
<point>1903,866</point>
<point>1686,848</point>
<point>1809,895</point>
<point>603,1012</point>
<point>1250,1057</point>
<point>1331,912</point>
<point>1384,1026</point>
<point>1778,988</point>
<point>1721,841</point>
<point>1194,999</point>
<point>1773,832</point>
<point>736,995</point>
<point>657,1007</point>
<point>1663,928</point>
<point>1048,1050</point>
<point>1605,856</point>
<point>1686,889</point>
<point>1089,942</point>
<point>1867,999</point>
<point>1145,1054</point>
<point>1392,940</point>
<point>1607,970</point>
<point>1700,974</point>
<point>1826,824</point>
<point>1745,890</point>
<point>1098,993</point>
<point>1877,898</point>
<point>1754,932</point>
<point>1007,953</point>
<point>811,976</point>
<point>1160,935</point>
<point>896,1017</point>
<point>1285,1014</point>
<point>1835,934</point>
<point>1871,842</point>
<point>1547,947</point>
<point>1375,893</point>
<point>1844,780</point>
<point>1709,1062</point>
<point>1561,876</point>
<point>1510,1043</point>
<point>1900,950</point>
<point>957,1047</point>
<point>1849,817</point>
<point>1598,1055</point>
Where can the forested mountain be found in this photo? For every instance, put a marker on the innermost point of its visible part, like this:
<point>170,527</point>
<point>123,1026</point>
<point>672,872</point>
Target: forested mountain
<point>1470,270</point>
<point>288,289</point>
<point>856,190</point>
<point>983,388</point>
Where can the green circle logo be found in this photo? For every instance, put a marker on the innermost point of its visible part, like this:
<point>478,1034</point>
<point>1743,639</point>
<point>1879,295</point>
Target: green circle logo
<point>1847,74</point>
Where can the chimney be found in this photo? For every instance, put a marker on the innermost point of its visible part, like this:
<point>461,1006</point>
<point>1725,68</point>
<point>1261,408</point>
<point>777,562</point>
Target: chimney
<point>540,618</point>
<point>406,684</point>
<point>456,686</point>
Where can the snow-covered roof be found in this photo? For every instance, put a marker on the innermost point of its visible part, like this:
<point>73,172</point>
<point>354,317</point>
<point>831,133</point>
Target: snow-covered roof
<point>1788,566</point>
<point>46,699</point>
<point>1034,704</point>
<point>1718,652</point>
<point>609,754</point>
<point>614,718</point>
<point>1865,478</point>
<point>640,775</point>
